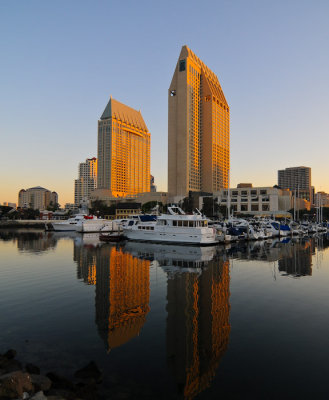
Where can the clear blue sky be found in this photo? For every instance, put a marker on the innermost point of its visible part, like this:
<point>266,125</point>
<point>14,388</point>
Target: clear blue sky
<point>61,61</point>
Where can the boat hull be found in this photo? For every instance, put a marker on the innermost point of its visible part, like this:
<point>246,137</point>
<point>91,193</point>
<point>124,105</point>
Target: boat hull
<point>62,227</point>
<point>170,237</point>
<point>92,225</point>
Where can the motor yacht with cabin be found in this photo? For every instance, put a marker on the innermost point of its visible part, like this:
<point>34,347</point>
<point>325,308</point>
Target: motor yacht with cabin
<point>175,227</point>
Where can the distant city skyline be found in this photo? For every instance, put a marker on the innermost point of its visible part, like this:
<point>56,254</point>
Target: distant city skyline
<point>61,62</point>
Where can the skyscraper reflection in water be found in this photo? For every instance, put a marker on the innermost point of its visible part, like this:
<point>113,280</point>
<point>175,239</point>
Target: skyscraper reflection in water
<point>30,241</point>
<point>198,326</point>
<point>122,291</point>
<point>298,259</point>
<point>86,263</point>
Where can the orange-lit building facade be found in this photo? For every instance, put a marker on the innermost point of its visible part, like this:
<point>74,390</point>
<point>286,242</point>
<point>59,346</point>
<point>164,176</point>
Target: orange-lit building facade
<point>123,151</point>
<point>122,290</point>
<point>129,296</point>
<point>198,129</point>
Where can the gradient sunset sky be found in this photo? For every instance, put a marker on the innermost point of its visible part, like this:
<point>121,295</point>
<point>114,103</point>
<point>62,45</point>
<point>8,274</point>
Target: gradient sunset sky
<point>61,61</point>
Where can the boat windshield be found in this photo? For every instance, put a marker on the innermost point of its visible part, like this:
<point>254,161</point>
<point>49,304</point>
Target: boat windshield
<point>190,224</point>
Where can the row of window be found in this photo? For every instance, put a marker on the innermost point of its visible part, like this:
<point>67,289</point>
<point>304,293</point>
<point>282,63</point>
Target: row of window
<point>190,224</point>
<point>254,207</point>
<point>245,192</point>
<point>246,200</point>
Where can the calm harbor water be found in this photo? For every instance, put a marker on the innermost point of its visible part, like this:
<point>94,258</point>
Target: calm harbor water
<point>241,321</point>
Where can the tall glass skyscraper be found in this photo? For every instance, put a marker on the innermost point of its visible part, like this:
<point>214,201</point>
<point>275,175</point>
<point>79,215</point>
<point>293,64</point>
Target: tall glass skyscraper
<point>198,129</point>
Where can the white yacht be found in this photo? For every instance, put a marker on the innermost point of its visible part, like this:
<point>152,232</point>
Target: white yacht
<point>89,240</point>
<point>71,224</point>
<point>81,223</point>
<point>175,227</point>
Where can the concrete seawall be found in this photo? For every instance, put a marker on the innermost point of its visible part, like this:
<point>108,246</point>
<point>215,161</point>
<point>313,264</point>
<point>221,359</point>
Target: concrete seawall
<point>16,224</point>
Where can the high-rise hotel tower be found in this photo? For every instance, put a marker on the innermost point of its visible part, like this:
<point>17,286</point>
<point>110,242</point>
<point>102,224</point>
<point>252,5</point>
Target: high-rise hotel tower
<point>123,151</point>
<point>198,129</point>
<point>298,180</point>
<point>87,181</point>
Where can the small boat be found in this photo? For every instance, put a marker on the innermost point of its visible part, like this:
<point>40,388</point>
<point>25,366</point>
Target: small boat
<point>112,237</point>
<point>71,224</point>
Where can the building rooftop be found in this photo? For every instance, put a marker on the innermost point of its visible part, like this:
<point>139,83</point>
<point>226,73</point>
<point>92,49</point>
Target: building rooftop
<point>121,112</point>
<point>37,188</point>
<point>213,81</point>
<point>302,166</point>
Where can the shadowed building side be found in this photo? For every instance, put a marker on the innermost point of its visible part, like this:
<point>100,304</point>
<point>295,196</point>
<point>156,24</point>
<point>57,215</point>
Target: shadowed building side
<point>102,308</point>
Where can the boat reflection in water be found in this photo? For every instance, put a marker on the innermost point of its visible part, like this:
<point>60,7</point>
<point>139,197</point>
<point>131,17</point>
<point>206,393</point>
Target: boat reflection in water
<point>87,239</point>
<point>173,258</point>
<point>294,258</point>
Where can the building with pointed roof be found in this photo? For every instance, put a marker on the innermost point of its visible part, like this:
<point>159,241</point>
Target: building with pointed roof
<point>123,151</point>
<point>198,129</point>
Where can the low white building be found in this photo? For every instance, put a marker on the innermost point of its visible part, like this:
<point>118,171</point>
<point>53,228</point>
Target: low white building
<point>256,200</point>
